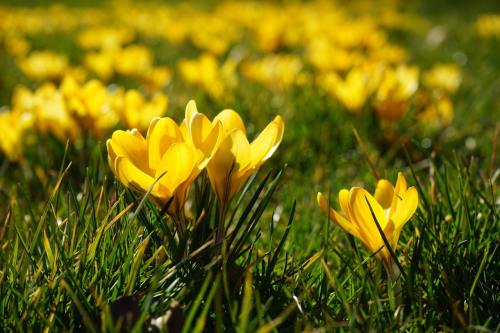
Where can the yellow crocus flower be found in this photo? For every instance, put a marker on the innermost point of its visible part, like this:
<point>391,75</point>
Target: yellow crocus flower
<point>13,125</point>
<point>105,37</point>
<point>156,78</point>
<point>133,60</point>
<point>488,25</point>
<point>163,158</point>
<point>395,90</point>
<point>101,63</point>
<point>47,107</point>
<point>137,112</point>
<point>444,77</point>
<point>434,110</point>
<point>236,158</point>
<point>217,80</point>
<point>17,46</point>
<point>392,206</point>
<point>92,104</point>
<point>351,92</point>
<point>277,71</point>
<point>43,65</point>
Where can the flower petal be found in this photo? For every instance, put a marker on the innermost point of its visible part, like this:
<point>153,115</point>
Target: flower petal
<point>205,136</point>
<point>130,175</point>
<point>401,187</point>
<point>384,193</point>
<point>361,215</point>
<point>264,146</point>
<point>230,164</point>
<point>340,220</point>
<point>191,110</point>
<point>176,166</point>
<point>230,120</point>
<point>344,202</point>
<point>406,207</point>
<point>132,145</point>
<point>162,133</point>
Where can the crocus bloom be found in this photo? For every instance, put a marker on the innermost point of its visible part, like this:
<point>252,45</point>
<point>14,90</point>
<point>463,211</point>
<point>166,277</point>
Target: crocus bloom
<point>394,92</point>
<point>351,92</point>
<point>162,159</point>
<point>236,158</point>
<point>137,111</point>
<point>13,125</point>
<point>392,206</point>
<point>217,80</point>
<point>43,65</point>
<point>445,77</point>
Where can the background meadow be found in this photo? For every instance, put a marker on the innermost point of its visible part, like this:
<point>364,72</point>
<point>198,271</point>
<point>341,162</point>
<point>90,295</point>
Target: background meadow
<point>365,90</point>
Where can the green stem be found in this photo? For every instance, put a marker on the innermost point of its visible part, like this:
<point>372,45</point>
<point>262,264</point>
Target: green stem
<point>393,280</point>
<point>219,233</point>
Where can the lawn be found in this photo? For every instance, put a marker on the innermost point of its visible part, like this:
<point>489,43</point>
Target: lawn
<point>269,166</point>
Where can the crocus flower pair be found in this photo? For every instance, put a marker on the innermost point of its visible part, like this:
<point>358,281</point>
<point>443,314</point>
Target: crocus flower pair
<point>171,156</point>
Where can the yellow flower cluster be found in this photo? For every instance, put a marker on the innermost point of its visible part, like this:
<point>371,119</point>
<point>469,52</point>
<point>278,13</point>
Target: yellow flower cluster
<point>167,161</point>
<point>66,110</point>
<point>276,71</point>
<point>171,156</point>
<point>433,102</point>
<point>217,80</point>
<point>43,65</point>
<point>342,48</point>
<point>132,60</point>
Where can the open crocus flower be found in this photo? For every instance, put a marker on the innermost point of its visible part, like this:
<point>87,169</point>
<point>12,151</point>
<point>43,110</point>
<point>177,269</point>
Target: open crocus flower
<point>162,159</point>
<point>392,206</point>
<point>398,85</point>
<point>137,111</point>
<point>236,158</point>
<point>43,65</point>
<point>443,77</point>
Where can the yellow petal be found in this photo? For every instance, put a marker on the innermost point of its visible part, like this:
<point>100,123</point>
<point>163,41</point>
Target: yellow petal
<point>406,207</point>
<point>191,110</point>
<point>131,176</point>
<point>384,193</point>
<point>344,202</point>
<point>336,217</point>
<point>111,155</point>
<point>230,120</point>
<point>204,135</point>
<point>184,131</point>
<point>264,146</point>
<point>199,127</point>
<point>162,133</point>
<point>390,234</point>
<point>131,145</point>
<point>240,148</point>
<point>229,164</point>
<point>401,184</point>
<point>400,187</point>
<point>176,166</point>
<point>361,215</point>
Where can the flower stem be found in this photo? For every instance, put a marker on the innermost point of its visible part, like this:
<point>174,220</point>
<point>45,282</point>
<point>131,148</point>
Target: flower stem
<point>394,284</point>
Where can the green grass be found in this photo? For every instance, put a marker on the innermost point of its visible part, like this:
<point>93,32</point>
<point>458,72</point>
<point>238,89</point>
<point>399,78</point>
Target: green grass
<point>80,252</point>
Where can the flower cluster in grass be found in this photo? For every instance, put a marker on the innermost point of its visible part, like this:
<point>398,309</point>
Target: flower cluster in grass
<point>73,109</point>
<point>162,216</point>
<point>344,51</point>
<point>171,157</point>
